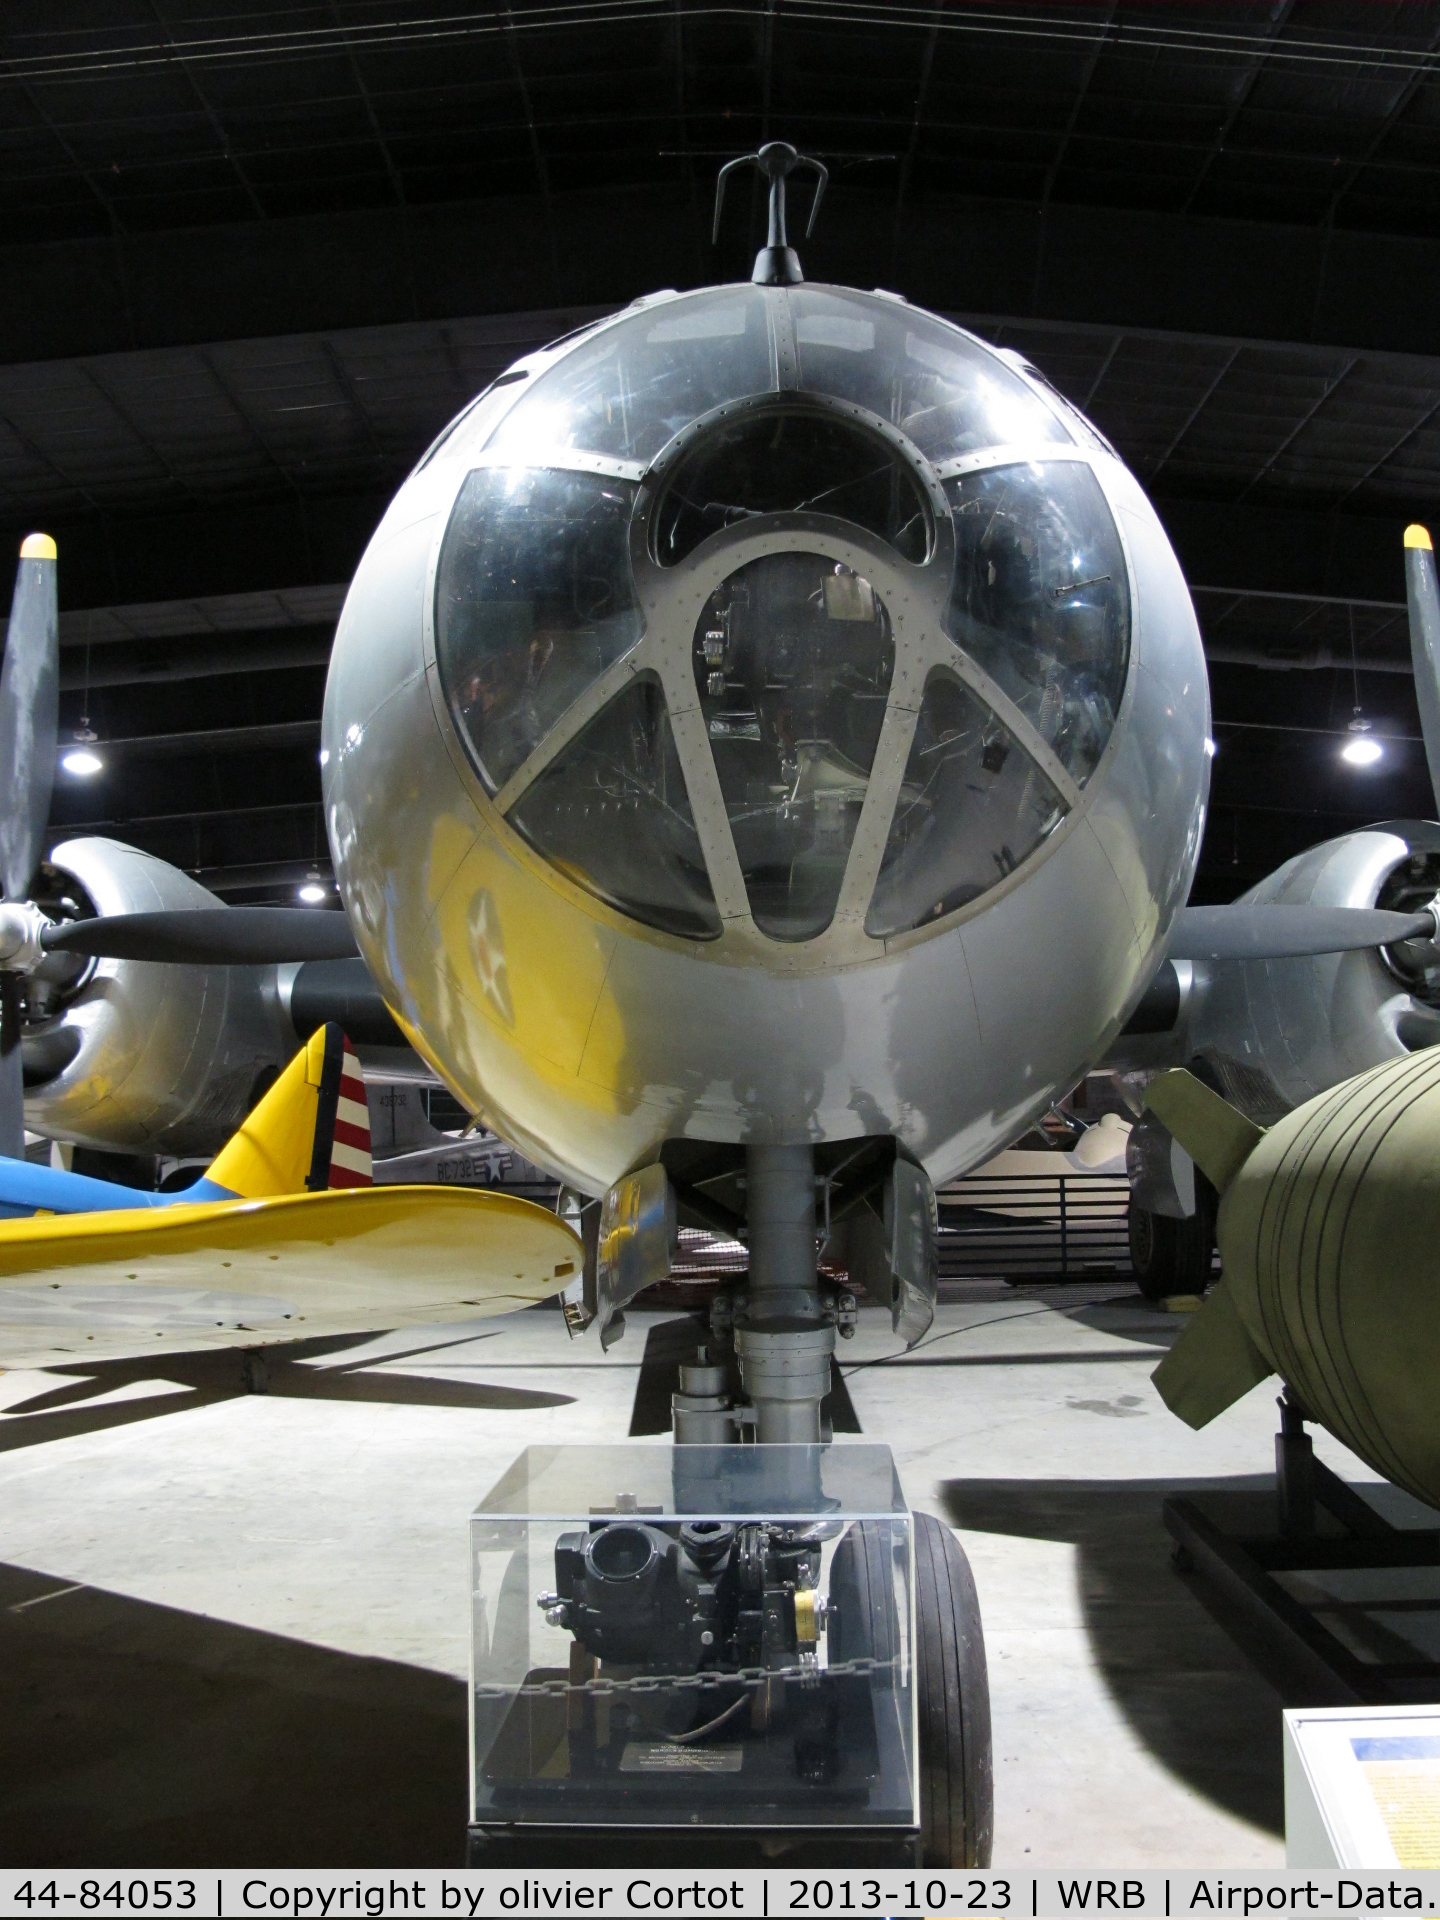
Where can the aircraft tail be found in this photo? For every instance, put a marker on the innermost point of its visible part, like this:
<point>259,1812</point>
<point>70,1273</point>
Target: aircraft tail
<point>1215,1361</point>
<point>1424,600</point>
<point>311,1131</point>
<point>401,1124</point>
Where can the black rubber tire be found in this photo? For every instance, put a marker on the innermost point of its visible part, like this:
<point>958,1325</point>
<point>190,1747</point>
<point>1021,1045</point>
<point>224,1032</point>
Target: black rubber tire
<point>957,1798</point>
<point>862,1595</point>
<point>957,1783</point>
<point>1170,1256</point>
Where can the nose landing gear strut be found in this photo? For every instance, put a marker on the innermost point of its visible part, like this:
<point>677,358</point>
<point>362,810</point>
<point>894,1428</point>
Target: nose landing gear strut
<point>765,1653</point>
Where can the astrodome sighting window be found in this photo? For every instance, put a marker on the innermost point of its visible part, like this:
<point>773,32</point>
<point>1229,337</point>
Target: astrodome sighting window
<point>1041,599</point>
<point>533,601</point>
<point>611,811</point>
<point>945,392</point>
<point>793,661</point>
<point>973,805</point>
<point>635,384</point>
<point>780,459</point>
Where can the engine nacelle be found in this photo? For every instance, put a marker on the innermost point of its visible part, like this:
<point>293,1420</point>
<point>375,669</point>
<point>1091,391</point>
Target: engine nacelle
<point>1274,1033</point>
<point>134,1056</point>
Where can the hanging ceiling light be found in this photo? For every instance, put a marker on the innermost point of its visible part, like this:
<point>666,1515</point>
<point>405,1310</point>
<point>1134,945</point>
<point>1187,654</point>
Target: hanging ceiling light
<point>314,892</point>
<point>1359,751</point>
<point>78,759</point>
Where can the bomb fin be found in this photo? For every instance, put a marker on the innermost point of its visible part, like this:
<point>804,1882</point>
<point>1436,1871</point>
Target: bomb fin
<point>1213,1363</point>
<point>1217,1137</point>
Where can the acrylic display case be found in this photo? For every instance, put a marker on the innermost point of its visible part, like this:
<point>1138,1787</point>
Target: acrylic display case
<point>694,1636</point>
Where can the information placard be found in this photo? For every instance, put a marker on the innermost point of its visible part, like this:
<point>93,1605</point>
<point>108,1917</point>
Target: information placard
<point>1362,1787</point>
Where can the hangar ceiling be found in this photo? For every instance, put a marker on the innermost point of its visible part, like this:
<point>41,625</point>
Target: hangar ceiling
<point>253,259</point>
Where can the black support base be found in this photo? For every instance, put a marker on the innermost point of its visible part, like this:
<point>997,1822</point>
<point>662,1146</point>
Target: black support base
<point>1321,1525</point>
<point>510,1848</point>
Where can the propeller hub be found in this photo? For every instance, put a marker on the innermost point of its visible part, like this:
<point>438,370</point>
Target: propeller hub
<point>21,926</point>
<point>1418,956</point>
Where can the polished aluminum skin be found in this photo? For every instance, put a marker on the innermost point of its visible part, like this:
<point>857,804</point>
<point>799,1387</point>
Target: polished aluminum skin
<point>1278,1032</point>
<point>662,850</point>
<point>159,1059</point>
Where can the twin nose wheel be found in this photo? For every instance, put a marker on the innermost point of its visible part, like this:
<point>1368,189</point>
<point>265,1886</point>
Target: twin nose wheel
<point>957,1798</point>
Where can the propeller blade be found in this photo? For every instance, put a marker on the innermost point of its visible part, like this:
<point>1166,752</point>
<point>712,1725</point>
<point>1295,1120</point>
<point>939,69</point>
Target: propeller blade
<point>1424,599</point>
<point>29,715</point>
<point>208,936</point>
<point>12,1084</point>
<point>1246,932</point>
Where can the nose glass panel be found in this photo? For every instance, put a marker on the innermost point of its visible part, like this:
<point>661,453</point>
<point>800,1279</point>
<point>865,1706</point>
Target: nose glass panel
<point>636,384</point>
<point>791,461</point>
<point>945,392</point>
<point>533,601</point>
<point>973,805</point>
<point>1042,601</point>
<point>793,660</point>
<point>611,811</point>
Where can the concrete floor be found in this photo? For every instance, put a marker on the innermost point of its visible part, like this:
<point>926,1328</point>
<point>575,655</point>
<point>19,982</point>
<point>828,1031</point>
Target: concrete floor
<point>233,1624</point>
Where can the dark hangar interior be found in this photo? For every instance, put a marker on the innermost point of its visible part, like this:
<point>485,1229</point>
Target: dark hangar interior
<point>254,258</point>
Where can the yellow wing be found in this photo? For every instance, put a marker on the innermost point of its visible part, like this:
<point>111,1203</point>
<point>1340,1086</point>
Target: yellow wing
<point>287,1267</point>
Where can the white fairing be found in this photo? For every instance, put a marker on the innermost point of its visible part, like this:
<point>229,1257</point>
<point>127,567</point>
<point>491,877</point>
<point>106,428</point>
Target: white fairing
<point>167,1059</point>
<point>590,1032</point>
<point>1278,1032</point>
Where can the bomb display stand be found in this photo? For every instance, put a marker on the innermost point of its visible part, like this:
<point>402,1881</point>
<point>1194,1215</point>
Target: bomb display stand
<point>1347,1603</point>
<point>714,1644</point>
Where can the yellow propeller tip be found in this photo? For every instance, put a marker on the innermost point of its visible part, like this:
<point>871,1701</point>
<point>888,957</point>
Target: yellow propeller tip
<point>39,546</point>
<point>1418,537</point>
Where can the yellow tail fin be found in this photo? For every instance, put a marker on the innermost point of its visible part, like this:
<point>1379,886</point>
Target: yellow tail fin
<point>311,1130</point>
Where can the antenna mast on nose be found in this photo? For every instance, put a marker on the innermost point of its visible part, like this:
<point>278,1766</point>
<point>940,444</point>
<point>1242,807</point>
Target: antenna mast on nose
<point>777,264</point>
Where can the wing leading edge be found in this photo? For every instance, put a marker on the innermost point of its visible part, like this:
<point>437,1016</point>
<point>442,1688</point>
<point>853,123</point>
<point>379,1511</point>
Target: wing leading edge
<point>284,1237</point>
<point>282,1268</point>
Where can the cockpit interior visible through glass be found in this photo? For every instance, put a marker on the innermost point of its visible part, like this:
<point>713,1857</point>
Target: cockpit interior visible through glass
<point>1042,601</point>
<point>533,601</point>
<point>793,658</point>
<point>612,813</point>
<point>791,459</point>
<point>793,654</point>
<point>972,807</point>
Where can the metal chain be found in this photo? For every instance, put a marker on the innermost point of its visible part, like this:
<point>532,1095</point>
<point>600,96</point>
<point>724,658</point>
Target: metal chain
<point>654,1682</point>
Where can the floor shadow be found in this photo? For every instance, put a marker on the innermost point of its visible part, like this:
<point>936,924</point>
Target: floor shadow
<point>226,1373</point>
<point>672,1344</point>
<point>1181,1680</point>
<point>1065,1357</point>
<point>1130,1318</point>
<point>140,1735</point>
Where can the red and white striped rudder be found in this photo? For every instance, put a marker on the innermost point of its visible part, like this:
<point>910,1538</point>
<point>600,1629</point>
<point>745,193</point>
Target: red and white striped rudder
<point>350,1162</point>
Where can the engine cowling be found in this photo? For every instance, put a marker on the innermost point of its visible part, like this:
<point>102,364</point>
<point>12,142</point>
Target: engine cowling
<point>1277,1032</point>
<point>130,1055</point>
<point>1273,1033</point>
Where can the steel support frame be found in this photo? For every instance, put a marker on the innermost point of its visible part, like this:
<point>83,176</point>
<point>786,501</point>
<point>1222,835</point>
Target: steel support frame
<point>1242,1567</point>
